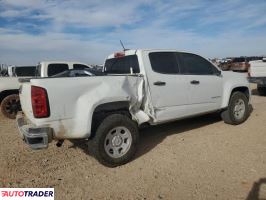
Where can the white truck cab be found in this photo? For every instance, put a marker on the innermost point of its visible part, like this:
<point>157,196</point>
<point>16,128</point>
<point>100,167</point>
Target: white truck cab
<point>140,86</point>
<point>51,68</point>
<point>9,87</point>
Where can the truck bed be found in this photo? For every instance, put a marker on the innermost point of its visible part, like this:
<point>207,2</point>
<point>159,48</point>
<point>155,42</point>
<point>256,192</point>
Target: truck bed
<point>72,100</point>
<point>257,68</point>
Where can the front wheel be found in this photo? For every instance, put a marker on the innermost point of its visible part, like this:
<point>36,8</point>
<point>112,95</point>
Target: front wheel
<point>115,140</point>
<point>237,111</point>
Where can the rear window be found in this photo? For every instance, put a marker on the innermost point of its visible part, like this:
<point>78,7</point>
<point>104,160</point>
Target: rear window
<point>122,65</point>
<point>54,69</point>
<point>25,71</point>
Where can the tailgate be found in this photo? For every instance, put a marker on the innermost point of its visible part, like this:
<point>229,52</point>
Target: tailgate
<point>257,69</point>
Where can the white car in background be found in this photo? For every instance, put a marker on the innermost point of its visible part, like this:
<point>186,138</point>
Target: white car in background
<point>9,87</point>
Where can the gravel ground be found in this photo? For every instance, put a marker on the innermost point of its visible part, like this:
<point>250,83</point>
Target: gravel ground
<point>199,158</point>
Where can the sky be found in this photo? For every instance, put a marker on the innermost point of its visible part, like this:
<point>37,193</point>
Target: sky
<point>88,31</point>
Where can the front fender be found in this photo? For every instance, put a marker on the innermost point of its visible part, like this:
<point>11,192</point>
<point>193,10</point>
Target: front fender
<point>233,80</point>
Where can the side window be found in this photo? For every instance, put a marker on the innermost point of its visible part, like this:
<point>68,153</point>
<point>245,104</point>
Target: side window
<point>80,66</point>
<point>25,71</point>
<point>195,64</point>
<point>164,62</point>
<point>54,69</point>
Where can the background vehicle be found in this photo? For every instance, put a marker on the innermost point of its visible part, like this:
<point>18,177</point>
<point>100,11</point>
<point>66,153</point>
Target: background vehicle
<point>224,65</point>
<point>138,86</point>
<point>21,71</point>
<point>9,87</point>
<point>257,74</point>
<point>79,72</point>
<point>239,64</point>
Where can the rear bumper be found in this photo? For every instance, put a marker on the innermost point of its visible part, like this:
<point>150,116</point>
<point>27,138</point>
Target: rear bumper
<point>35,137</point>
<point>258,80</point>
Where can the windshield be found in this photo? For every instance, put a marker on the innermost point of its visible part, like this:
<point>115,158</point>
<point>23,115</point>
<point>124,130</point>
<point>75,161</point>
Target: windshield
<point>122,65</point>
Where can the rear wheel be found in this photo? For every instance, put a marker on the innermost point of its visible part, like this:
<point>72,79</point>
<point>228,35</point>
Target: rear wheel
<point>10,106</point>
<point>237,111</point>
<point>261,90</point>
<point>115,140</point>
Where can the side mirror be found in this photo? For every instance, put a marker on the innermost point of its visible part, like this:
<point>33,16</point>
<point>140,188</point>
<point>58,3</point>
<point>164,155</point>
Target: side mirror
<point>218,73</point>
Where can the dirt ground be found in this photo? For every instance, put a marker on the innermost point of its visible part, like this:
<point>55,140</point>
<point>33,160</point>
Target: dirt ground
<point>199,158</point>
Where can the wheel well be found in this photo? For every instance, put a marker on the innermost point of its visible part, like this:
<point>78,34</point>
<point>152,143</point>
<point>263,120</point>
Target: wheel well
<point>103,110</point>
<point>6,93</point>
<point>244,90</point>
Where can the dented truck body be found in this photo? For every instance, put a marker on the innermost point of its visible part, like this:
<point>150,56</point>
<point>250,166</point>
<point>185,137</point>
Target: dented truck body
<point>143,86</point>
<point>71,116</point>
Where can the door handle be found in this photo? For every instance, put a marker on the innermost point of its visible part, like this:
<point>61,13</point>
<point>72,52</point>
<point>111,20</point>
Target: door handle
<point>194,82</point>
<point>159,83</point>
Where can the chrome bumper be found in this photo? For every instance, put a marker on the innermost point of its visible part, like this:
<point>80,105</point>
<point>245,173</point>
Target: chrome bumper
<point>35,137</point>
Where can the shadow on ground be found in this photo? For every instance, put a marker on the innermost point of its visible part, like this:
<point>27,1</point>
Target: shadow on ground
<point>255,92</point>
<point>151,136</point>
<point>258,190</point>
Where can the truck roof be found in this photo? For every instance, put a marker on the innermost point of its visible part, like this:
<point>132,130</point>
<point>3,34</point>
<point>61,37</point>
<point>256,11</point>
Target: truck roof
<point>66,62</point>
<point>134,51</point>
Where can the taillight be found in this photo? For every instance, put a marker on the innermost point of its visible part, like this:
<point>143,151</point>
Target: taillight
<point>40,103</point>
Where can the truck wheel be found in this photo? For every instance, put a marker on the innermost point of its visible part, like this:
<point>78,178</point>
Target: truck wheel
<point>237,111</point>
<point>115,140</point>
<point>10,106</point>
<point>261,90</point>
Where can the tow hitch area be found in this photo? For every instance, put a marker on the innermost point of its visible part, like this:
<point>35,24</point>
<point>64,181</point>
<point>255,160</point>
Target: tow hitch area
<point>35,137</point>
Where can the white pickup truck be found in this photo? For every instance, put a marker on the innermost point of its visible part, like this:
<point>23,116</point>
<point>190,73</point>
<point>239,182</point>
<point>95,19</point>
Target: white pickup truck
<point>9,87</point>
<point>139,86</point>
<point>257,74</point>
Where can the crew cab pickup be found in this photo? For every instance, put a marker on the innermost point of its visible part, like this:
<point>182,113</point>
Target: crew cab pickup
<point>257,74</point>
<point>9,87</point>
<point>138,87</point>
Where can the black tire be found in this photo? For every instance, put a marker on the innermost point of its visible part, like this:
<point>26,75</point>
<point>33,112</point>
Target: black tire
<point>261,90</point>
<point>229,116</point>
<point>97,144</point>
<point>10,106</point>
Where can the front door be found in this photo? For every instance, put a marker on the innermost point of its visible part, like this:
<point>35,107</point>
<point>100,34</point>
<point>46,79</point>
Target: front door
<point>205,83</point>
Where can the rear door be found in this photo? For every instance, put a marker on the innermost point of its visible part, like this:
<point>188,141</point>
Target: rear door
<point>205,83</point>
<point>167,86</point>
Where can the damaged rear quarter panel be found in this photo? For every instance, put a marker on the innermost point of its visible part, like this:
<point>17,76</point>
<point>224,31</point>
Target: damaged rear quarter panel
<point>73,101</point>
